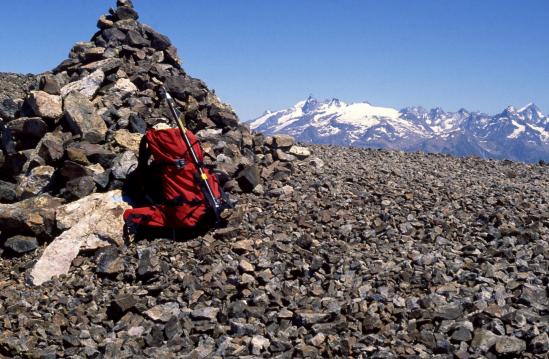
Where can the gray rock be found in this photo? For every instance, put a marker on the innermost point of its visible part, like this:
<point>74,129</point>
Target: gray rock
<point>163,312</point>
<point>50,84</point>
<point>259,343</point>
<point>248,178</point>
<point>484,340</point>
<point>7,192</point>
<point>124,164</point>
<point>510,345</point>
<point>540,344</point>
<point>148,264</point>
<point>283,141</point>
<point>123,303</point>
<point>51,147</point>
<point>133,38</point>
<point>205,313</point>
<point>79,187</point>
<point>462,334</point>
<point>300,152</point>
<point>26,128</point>
<point>36,182</point>
<point>158,41</point>
<point>109,262</point>
<point>126,13</point>
<point>8,108</point>
<point>283,156</point>
<point>82,119</point>
<point>21,244</point>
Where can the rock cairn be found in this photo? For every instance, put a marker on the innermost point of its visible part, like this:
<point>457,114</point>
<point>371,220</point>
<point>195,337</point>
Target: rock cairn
<point>77,130</point>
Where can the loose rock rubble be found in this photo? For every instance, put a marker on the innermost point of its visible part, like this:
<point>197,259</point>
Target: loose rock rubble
<point>372,253</point>
<point>344,253</point>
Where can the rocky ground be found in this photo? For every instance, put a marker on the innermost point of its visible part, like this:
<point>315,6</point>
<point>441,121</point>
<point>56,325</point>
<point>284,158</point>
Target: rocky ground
<point>357,253</point>
<point>16,86</point>
<point>13,88</point>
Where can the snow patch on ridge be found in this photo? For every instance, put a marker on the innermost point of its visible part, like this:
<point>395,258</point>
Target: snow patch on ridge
<point>518,130</point>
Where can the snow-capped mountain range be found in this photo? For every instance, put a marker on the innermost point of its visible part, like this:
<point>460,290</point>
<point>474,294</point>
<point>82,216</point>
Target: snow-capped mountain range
<point>515,134</point>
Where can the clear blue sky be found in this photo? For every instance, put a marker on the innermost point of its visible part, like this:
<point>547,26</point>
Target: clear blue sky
<point>268,54</point>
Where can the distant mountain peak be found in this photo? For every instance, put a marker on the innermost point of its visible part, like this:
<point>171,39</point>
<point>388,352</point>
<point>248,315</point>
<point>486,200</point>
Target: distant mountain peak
<point>513,134</point>
<point>531,111</point>
<point>530,106</point>
<point>311,103</point>
<point>335,102</point>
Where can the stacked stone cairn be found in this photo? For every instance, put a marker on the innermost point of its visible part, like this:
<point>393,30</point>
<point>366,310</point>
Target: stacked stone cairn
<point>77,131</point>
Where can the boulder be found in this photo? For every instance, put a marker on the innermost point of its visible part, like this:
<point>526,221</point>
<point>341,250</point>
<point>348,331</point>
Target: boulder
<point>283,141</point>
<point>27,131</point>
<point>92,54</point>
<point>510,346</point>
<point>50,84</point>
<point>105,65</point>
<point>124,164</point>
<point>79,187</point>
<point>45,105</point>
<point>33,216</point>
<point>127,140</point>
<point>248,178</point>
<point>484,339</point>
<point>133,38</point>
<point>158,41</point>
<point>163,312</point>
<point>35,182</point>
<point>7,192</point>
<point>21,244</point>
<point>50,148</point>
<point>104,23</point>
<point>92,222</point>
<point>8,108</point>
<point>87,86</point>
<point>122,88</point>
<point>34,127</point>
<point>126,13</point>
<point>299,152</point>
<point>82,119</point>
<point>283,156</point>
<point>109,261</point>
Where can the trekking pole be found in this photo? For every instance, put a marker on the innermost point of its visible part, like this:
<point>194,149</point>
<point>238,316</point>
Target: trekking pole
<point>212,201</point>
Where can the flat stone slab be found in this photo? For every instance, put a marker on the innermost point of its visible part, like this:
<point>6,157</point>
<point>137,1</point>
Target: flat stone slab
<point>92,222</point>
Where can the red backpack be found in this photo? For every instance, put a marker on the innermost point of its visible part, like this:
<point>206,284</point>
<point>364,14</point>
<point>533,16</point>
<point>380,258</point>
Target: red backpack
<point>186,203</point>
